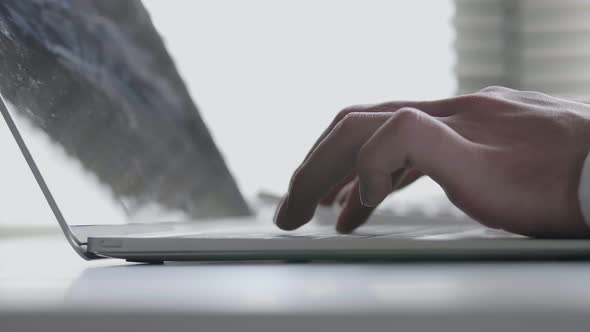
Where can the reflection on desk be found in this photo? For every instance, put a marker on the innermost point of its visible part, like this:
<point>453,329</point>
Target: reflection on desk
<point>43,282</point>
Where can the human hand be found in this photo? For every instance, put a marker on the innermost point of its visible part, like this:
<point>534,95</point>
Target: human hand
<point>509,159</point>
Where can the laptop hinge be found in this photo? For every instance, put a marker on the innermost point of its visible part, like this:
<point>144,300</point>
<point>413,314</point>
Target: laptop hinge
<point>76,244</point>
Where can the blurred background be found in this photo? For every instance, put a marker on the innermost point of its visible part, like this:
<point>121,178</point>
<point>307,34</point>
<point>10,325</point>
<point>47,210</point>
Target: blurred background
<point>268,76</point>
<point>538,45</point>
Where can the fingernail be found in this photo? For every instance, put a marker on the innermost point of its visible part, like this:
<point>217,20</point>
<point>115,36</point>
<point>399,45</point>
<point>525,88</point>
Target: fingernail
<point>364,200</point>
<point>374,189</point>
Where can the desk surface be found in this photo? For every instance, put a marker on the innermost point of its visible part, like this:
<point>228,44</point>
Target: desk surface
<point>40,276</point>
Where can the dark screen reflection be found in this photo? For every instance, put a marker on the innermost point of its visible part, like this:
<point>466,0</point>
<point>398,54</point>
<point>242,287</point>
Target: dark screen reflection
<point>95,77</point>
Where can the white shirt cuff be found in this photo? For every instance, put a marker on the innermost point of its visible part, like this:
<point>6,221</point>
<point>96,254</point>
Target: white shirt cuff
<point>584,190</point>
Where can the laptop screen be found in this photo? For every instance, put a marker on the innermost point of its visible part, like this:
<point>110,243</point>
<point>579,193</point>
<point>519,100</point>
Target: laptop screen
<point>107,117</point>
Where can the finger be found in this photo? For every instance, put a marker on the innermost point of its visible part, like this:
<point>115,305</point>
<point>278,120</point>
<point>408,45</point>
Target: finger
<point>353,213</point>
<point>342,196</point>
<point>331,196</point>
<point>299,204</point>
<point>442,107</point>
<point>411,138</point>
<point>332,160</point>
<point>496,90</point>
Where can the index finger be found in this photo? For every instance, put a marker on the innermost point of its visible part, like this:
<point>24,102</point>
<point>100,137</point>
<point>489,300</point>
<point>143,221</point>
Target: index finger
<point>334,155</point>
<point>332,160</point>
<point>432,107</point>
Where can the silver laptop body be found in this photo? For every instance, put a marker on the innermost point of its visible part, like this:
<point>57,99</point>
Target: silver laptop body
<point>91,82</point>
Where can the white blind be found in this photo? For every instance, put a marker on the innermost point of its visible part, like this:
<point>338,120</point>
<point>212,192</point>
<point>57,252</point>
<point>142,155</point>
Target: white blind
<point>541,45</point>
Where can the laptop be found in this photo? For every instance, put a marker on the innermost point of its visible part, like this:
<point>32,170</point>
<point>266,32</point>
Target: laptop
<point>130,170</point>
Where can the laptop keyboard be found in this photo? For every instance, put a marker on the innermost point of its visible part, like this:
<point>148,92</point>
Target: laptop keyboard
<point>385,223</point>
<point>389,232</point>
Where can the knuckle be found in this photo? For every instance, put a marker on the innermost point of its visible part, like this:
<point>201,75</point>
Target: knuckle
<point>407,114</point>
<point>348,122</point>
<point>493,89</point>
<point>407,119</point>
<point>351,109</point>
<point>342,114</point>
<point>479,100</point>
<point>532,97</point>
<point>403,123</point>
<point>529,93</point>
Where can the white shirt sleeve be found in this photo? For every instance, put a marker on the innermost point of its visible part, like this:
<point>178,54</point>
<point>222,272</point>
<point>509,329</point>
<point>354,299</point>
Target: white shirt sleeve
<point>584,190</point>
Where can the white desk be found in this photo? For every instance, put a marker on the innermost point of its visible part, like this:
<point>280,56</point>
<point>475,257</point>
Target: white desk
<point>45,286</point>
